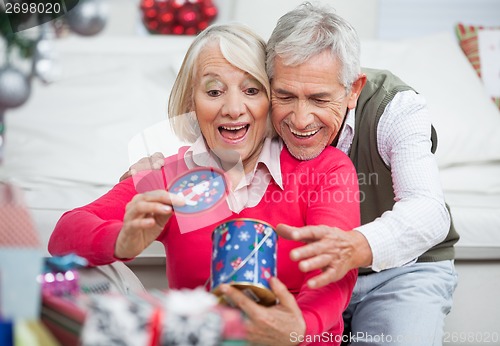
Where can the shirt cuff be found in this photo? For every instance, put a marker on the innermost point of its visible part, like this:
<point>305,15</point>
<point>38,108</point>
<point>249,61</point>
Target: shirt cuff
<point>380,243</point>
<point>103,245</point>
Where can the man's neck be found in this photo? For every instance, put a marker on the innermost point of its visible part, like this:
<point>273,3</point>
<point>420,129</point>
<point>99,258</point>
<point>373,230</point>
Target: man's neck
<point>336,139</point>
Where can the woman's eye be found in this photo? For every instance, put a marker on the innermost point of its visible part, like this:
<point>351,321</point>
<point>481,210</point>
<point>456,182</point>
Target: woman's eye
<point>252,91</point>
<point>214,93</point>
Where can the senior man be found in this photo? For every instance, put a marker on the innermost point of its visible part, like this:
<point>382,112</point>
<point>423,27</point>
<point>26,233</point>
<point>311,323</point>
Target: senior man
<point>404,248</point>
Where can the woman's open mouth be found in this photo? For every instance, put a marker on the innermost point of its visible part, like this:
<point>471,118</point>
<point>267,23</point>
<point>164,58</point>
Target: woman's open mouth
<point>234,132</point>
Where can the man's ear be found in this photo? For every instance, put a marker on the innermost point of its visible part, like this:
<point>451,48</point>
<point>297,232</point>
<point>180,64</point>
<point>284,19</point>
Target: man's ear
<point>356,88</point>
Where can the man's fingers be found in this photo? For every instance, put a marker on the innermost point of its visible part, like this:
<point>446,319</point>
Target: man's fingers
<point>313,249</point>
<point>306,234</point>
<point>287,232</point>
<point>323,279</point>
<point>157,160</point>
<point>316,262</point>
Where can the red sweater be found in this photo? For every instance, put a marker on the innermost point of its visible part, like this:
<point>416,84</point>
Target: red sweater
<point>321,191</point>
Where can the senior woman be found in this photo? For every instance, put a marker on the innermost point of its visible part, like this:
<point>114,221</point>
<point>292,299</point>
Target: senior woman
<point>220,101</point>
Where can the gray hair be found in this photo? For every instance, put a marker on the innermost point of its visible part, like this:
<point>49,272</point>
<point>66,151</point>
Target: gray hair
<point>240,46</point>
<point>309,30</point>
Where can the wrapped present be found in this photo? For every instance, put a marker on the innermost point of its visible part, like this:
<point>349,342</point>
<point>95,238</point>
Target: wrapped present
<point>186,317</point>
<point>30,333</point>
<point>64,317</point>
<point>60,275</point>
<point>21,258</point>
<point>176,317</point>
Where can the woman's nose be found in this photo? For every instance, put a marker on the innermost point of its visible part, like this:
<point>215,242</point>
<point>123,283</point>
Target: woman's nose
<point>234,106</point>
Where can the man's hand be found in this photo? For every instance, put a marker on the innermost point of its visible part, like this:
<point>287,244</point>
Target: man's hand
<point>269,325</point>
<point>149,163</point>
<point>330,249</point>
<point>145,217</point>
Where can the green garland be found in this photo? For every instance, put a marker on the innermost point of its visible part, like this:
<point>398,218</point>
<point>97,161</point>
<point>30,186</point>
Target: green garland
<point>13,39</point>
<point>8,21</point>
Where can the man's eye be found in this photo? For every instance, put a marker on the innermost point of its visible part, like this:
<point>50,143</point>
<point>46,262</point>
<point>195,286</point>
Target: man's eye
<point>320,101</point>
<point>214,93</point>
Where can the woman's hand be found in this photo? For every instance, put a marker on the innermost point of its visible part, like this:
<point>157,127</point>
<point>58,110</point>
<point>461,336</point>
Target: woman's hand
<point>145,217</point>
<point>269,325</point>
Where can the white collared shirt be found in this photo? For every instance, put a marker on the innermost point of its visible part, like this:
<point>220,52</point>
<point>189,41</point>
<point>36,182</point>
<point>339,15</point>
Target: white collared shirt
<point>419,218</point>
<point>248,188</point>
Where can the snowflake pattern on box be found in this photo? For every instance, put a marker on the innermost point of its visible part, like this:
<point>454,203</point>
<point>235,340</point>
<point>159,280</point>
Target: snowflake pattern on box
<point>202,189</point>
<point>232,258</point>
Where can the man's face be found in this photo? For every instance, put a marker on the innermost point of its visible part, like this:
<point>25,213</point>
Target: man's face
<point>309,104</point>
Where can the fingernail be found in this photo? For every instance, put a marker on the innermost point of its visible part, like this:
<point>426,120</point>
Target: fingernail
<point>167,208</point>
<point>304,266</point>
<point>223,288</point>
<point>180,200</point>
<point>312,283</point>
<point>294,255</point>
<point>295,235</point>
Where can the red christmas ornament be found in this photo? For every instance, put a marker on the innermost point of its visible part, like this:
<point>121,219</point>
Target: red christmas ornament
<point>178,17</point>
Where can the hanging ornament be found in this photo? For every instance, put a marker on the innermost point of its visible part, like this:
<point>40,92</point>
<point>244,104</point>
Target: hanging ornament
<point>15,87</point>
<point>178,17</point>
<point>88,18</point>
<point>45,62</point>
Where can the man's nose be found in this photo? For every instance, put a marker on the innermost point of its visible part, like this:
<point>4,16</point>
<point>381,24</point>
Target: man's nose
<point>302,115</point>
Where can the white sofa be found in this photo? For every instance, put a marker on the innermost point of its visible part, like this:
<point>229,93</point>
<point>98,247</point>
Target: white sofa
<point>70,143</point>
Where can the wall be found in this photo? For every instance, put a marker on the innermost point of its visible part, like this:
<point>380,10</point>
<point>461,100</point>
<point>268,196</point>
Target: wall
<point>261,15</point>
<point>385,19</point>
<point>413,18</point>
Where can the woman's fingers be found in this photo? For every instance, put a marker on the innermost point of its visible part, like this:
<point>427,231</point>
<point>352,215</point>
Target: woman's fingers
<point>153,202</point>
<point>145,217</point>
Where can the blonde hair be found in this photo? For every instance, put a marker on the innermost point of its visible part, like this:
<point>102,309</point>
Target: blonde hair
<point>240,46</point>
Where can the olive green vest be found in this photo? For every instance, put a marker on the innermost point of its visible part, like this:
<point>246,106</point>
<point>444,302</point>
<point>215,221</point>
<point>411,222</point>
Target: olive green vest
<point>374,176</point>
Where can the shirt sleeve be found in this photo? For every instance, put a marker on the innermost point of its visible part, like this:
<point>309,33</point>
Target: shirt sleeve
<point>333,201</point>
<point>91,231</point>
<point>419,218</point>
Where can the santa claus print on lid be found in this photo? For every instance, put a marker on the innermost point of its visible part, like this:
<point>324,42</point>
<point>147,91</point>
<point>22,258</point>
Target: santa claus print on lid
<point>202,189</point>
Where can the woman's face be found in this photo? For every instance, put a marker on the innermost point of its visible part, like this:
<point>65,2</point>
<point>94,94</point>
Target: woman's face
<point>231,106</point>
